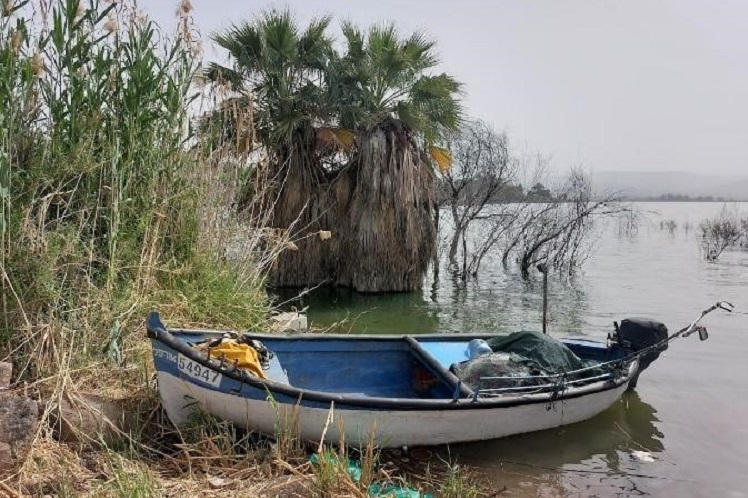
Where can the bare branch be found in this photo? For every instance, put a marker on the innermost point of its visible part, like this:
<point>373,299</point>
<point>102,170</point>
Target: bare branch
<point>725,230</point>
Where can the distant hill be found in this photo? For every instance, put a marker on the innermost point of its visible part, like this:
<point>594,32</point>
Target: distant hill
<point>643,185</point>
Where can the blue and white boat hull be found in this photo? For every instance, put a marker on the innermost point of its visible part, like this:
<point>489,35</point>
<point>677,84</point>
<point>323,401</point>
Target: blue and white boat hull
<point>390,427</point>
<point>397,390</point>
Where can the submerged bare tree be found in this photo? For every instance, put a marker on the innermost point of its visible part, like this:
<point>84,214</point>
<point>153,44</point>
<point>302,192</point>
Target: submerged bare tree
<point>557,232</point>
<point>489,211</point>
<point>481,172</point>
<point>628,223</point>
<point>725,230</point>
<point>670,226</point>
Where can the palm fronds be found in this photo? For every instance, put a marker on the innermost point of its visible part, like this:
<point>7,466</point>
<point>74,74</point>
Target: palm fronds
<point>283,67</point>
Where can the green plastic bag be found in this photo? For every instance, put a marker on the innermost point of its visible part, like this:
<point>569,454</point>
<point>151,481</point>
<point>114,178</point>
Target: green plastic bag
<point>353,468</point>
<point>376,490</point>
<point>394,491</point>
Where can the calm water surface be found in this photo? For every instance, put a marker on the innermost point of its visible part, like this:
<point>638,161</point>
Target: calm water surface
<point>690,410</point>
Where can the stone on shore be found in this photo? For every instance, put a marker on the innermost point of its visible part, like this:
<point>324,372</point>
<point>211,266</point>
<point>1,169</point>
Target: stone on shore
<point>291,321</point>
<point>18,424</point>
<point>93,419</point>
<point>6,372</point>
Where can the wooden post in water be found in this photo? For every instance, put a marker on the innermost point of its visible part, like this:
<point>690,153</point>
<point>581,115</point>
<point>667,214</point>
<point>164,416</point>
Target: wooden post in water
<point>544,270</point>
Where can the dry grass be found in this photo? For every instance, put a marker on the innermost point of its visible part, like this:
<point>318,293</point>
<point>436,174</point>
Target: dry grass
<point>206,466</point>
<point>212,457</point>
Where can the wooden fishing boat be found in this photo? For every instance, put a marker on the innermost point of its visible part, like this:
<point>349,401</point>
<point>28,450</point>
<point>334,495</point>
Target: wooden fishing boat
<point>399,390</point>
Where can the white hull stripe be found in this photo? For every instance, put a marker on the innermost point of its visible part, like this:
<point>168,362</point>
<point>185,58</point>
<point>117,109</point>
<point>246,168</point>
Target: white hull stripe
<point>391,427</point>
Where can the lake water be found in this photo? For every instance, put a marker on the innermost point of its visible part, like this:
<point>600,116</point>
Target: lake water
<point>690,410</point>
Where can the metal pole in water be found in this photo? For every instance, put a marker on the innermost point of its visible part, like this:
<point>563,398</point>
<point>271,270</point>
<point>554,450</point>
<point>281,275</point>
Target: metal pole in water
<point>544,270</point>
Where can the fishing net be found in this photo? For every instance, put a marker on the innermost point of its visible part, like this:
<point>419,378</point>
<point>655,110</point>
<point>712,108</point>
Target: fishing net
<point>478,373</point>
<point>520,359</point>
<point>539,351</point>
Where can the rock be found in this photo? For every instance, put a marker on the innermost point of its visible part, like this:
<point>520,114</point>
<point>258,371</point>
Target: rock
<point>218,482</point>
<point>18,423</point>
<point>291,321</point>
<point>6,371</point>
<point>92,419</point>
<point>18,417</point>
<point>6,457</point>
<point>642,456</point>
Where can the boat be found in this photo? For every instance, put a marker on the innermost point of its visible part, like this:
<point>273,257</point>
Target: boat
<point>394,391</point>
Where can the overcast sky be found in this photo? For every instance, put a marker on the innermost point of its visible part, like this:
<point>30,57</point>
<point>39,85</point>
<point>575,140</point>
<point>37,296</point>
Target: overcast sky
<point>636,85</point>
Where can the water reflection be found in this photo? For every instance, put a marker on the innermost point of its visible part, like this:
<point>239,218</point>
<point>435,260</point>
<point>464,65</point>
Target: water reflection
<point>600,449</point>
<point>499,302</point>
<point>626,426</point>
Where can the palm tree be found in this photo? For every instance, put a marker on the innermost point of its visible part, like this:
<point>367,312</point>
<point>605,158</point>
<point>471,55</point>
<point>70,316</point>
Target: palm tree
<point>376,106</point>
<point>400,113</point>
<point>382,77</point>
<point>279,70</point>
<point>283,68</point>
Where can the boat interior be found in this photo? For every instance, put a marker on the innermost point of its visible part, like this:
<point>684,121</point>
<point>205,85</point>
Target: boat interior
<point>391,367</point>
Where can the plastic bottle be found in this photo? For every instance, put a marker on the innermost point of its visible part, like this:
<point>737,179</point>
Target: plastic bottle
<point>478,347</point>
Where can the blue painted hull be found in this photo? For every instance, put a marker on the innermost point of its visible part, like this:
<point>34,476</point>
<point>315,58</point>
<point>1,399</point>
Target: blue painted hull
<point>380,378</point>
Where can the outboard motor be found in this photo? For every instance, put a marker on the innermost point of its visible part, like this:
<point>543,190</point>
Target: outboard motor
<point>636,334</point>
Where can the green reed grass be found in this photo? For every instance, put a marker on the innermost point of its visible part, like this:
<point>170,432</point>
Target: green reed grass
<point>102,182</point>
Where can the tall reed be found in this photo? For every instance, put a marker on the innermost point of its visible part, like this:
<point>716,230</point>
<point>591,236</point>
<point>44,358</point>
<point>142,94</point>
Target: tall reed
<point>107,199</point>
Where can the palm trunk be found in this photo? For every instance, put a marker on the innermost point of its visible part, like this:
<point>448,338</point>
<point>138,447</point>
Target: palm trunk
<point>302,207</point>
<point>381,214</point>
<point>390,235</point>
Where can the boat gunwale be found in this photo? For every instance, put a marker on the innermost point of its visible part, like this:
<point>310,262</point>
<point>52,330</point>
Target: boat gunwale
<point>159,332</point>
<point>292,336</point>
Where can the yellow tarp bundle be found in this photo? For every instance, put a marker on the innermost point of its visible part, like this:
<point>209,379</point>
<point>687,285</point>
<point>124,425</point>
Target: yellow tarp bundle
<point>244,355</point>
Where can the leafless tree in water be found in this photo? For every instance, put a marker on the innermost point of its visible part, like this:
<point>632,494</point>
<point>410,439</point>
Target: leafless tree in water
<point>480,177</point>
<point>489,211</point>
<point>628,223</point>
<point>669,225</point>
<point>557,232</point>
<point>725,230</point>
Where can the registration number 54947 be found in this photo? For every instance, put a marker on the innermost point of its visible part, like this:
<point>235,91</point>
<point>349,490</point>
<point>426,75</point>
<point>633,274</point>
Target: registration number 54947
<point>198,371</point>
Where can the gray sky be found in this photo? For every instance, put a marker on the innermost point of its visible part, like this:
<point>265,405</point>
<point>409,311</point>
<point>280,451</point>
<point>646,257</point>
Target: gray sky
<point>637,85</point>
